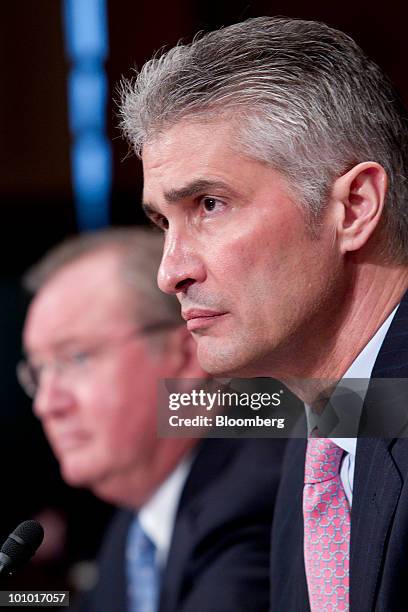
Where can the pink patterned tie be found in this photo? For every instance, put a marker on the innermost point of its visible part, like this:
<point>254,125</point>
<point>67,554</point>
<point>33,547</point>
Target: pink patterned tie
<point>326,515</point>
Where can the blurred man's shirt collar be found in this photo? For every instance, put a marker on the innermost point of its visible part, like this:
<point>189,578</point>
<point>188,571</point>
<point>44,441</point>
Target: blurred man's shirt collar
<point>158,515</point>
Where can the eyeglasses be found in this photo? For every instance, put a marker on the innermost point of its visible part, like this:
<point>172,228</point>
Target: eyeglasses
<point>71,364</point>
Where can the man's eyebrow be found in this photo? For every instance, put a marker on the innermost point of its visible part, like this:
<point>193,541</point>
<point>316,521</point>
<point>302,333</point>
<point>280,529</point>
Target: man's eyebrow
<point>69,343</point>
<point>193,188</point>
<point>189,190</point>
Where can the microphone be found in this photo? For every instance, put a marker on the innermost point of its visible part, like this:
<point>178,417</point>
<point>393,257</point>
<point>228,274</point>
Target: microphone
<point>20,545</point>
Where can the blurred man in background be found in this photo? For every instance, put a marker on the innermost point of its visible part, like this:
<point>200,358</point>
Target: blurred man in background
<point>98,337</point>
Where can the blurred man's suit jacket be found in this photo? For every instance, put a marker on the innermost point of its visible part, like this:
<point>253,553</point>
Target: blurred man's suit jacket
<point>379,516</point>
<point>219,556</point>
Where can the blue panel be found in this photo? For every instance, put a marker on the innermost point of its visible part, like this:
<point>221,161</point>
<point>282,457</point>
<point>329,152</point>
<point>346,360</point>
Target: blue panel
<point>87,91</point>
<point>92,175</point>
<point>86,37</point>
<point>86,28</point>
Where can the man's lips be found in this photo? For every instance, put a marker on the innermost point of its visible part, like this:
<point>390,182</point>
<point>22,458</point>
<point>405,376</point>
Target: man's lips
<point>67,441</point>
<point>198,318</point>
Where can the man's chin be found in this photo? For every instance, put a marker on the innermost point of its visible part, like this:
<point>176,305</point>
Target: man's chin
<point>75,475</point>
<point>223,360</point>
<point>218,361</point>
<point>114,490</point>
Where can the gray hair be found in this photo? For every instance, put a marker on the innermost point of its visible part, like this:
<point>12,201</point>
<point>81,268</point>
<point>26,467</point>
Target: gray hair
<point>304,97</point>
<point>140,252</point>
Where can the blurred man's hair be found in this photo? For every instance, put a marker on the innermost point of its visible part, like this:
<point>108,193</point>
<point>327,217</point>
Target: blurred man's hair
<point>140,252</point>
<point>299,95</point>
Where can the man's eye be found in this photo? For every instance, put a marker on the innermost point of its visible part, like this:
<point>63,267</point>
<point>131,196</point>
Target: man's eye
<point>211,204</point>
<point>79,358</point>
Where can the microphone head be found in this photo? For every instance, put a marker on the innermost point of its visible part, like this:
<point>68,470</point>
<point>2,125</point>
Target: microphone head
<point>22,543</point>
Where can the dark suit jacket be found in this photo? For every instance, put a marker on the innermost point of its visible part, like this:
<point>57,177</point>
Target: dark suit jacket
<point>379,516</point>
<point>220,551</point>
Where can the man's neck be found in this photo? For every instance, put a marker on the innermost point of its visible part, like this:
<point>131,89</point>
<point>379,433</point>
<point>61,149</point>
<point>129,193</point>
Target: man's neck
<point>328,350</point>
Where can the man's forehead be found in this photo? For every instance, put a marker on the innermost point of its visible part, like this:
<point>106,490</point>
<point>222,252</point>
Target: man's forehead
<point>85,279</point>
<point>75,304</point>
<point>194,139</point>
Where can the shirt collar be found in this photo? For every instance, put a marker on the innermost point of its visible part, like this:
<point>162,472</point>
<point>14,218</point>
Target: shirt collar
<point>363,364</point>
<point>158,514</point>
<point>358,375</point>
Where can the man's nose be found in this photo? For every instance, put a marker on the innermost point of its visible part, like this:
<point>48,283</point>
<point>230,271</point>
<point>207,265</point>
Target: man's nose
<point>51,396</point>
<point>181,265</point>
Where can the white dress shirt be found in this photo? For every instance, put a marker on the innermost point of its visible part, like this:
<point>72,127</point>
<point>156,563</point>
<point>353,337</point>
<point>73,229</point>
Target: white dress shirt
<point>361,368</point>
<point>158,514</point>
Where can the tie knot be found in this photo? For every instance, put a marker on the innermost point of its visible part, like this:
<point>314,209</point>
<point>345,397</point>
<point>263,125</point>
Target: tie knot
<point>323,459</point>
<point>140,545</point>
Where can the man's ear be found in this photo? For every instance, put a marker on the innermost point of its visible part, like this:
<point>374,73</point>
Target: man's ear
<point>358,198</point>
<point>182,354</point>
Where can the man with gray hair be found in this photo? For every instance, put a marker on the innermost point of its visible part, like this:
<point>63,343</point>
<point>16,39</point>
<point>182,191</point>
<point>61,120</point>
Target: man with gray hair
<point>275,162</point>
<point>99,336</point>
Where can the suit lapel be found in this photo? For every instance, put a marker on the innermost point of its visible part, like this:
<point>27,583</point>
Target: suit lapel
<point>212,457</point>
<point>377,487</point>
<point>377,479</point>
<point>392,360</point>
<point>288,577</point>
<point>111,590</point>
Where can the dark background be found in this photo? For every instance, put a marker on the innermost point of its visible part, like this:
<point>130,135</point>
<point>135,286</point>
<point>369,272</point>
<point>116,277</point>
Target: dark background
<point>37,208</point>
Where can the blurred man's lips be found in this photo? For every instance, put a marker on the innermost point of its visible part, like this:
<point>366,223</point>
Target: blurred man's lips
<point>69,441</point>
<point>198,318</point>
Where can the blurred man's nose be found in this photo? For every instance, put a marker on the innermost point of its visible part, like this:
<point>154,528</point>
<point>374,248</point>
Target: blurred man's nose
<point>181,265</point>
<point>52,397</point>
